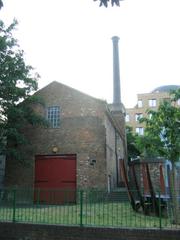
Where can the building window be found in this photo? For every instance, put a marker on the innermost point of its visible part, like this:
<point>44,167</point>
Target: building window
<point>139,103</point>
<point>53,116</point>
<point>138,116</point>
<point>140,130</point>
<point>152,102</point>
<point>127,118</point>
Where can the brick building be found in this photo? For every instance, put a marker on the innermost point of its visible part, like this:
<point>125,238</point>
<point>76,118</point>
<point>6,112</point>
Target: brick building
<point>83,144</point>
<point>85,141</point>
<point>147,101</point>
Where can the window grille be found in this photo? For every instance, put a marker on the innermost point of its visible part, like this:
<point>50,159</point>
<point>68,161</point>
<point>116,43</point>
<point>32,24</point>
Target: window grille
<point>53,116</point>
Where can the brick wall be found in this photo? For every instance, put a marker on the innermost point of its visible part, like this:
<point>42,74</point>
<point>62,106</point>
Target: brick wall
<point>145,97</point>
<point>13,231</point>
<point>82,132</point>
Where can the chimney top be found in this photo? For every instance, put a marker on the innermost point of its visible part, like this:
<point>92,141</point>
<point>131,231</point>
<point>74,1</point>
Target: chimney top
<point>115,38</point>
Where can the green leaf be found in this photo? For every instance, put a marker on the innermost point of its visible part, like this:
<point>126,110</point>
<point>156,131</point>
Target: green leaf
<point>17,82</point>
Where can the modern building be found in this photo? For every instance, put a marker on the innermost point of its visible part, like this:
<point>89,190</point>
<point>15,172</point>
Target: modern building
<point>147,101</point>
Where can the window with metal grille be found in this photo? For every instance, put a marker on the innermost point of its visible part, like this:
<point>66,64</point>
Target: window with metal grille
<point>53,116</point>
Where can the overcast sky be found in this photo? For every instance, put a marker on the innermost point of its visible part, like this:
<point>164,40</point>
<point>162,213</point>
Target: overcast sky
<point>70,41</point>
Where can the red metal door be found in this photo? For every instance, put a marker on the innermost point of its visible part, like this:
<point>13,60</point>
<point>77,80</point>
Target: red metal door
<point>55,178</point>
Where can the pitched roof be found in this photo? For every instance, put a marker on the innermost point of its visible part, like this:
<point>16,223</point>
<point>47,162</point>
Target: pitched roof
<point>56,84</point>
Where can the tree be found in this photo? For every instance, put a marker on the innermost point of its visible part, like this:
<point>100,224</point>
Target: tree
<point>102,3</point>
<point>1,4</point>
<point>162,133</point>
<point>17,82</point>
<point>105,2</point>
<point>132,149</point>
<point>146,148</point>
<point>163,129</point>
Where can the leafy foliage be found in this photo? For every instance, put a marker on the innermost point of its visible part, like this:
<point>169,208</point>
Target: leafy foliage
<point>17,82</point>
<point>1,4</point>
<point>105,2</point>
<point>102,3</point>
<point>132,148</point>
<point>162,133</point>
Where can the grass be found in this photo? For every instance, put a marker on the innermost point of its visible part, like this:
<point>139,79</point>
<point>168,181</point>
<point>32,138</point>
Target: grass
<point>95,209</point>
<point>94,214</point>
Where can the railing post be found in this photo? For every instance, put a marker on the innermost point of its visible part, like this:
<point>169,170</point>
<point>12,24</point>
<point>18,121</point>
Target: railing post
<point>81,208</point>
<point>14,205</point>
<point>160,217</point>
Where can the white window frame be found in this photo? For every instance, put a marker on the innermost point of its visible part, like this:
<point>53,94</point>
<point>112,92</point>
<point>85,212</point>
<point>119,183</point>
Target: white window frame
<point>127,118</point>
<point>53,116</point>
<point>140,103</point>
<point>140,130</point>
<point>152,102</point>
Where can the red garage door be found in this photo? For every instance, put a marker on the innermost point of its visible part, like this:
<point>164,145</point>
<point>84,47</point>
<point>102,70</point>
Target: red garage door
<point>55,178</point>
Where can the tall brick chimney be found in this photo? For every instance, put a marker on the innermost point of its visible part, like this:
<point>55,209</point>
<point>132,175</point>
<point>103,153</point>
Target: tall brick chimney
<point>117,108</point>
<point>116,72</point>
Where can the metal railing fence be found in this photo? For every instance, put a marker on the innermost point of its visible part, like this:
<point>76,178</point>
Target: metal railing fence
<point>85,208</point>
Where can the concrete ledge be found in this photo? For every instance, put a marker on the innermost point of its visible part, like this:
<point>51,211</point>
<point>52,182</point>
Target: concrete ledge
<point>22,231</point>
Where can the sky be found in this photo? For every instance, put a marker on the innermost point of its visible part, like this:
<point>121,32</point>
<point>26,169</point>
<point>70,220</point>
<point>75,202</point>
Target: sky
<point>69,41</point>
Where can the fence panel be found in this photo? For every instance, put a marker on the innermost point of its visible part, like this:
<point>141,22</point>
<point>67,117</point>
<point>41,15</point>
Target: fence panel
<point>90,208</point>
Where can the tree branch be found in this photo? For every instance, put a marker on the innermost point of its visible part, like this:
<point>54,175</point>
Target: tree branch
<point>105,2</point>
